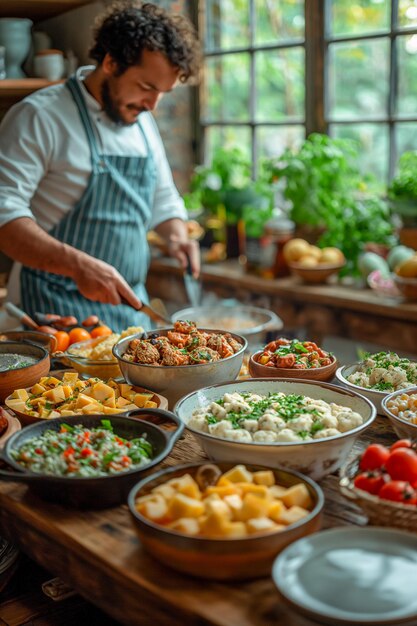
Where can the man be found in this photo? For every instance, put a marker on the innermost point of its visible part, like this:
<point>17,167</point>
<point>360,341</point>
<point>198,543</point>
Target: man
<point>84,176</point>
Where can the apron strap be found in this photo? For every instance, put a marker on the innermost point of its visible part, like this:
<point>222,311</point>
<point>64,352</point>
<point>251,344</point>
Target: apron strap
<point>75,89</point>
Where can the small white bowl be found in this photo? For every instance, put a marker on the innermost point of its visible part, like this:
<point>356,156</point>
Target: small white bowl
<point>315,458</point>
<point>402,427</point>
<point>376,397</point>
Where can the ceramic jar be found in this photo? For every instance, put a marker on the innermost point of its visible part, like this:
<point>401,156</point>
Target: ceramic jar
<point>15,36</point>
<point>49,64</point>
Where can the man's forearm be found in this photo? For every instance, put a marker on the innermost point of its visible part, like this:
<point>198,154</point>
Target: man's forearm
<point>25,241</point>
<point>173,230</point>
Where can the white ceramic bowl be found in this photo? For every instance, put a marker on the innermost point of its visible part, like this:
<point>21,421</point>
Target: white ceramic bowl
<point>403,428</point>
<point>373,395</point>
<point>314,458</point>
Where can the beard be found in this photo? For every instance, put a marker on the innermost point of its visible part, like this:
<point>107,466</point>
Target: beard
<point>111,108</point>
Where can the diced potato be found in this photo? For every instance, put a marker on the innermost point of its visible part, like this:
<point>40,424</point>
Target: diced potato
<point>276,491</point>
<point>45,413</point>
<point>155,509</point>
<point>265,477</point>
<point>187,485</point>
<point>108,410</point>
<point>17,405</point>
<point>124,389</point>
<point>257,490</point>
<point>275,510</point>
<point>186,525</point>
<point>253,506</point>
<point>36,402</point>
<point>110,402</point>
<point>20,394</point>
<point>183,506</point>
<point>218,508</point>
<point>70,377</point>
<point>291,515</point>
<point>239,474</point>
<point>121,402</point>
<point>102,392</point>
<point>165,490</point>
<point>49,381</point>
<point>66,412</point>
<point>112,383</point>
<point>54,414</point>
<point>141,398</point>
<point>261,524</point>
<point>297,494</point>
<point>234,530</point>
<point>82,401</point>
<point>130,407</point>
<point>150,404</point>
<point>68,391</point>
<point>36,389</point>
<point>93,407</point>
<point>222,491</point>
<point>55,395</point>
<point>224,482</point>
<point>234,502</point>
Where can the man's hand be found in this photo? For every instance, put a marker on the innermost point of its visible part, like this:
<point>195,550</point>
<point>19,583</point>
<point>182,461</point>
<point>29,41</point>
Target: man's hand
<point>184,250</point>
<point>100,282</point>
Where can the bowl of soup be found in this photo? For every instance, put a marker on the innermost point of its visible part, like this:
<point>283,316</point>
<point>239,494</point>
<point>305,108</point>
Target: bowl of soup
<point>21,365</point>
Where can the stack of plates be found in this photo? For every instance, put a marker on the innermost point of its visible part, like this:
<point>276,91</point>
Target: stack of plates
<point>351,576</point>
<point>8,561</point>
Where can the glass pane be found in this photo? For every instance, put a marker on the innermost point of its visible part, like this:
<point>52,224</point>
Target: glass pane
<point>348,17</point>
<point>280,84</point>
<point>358,79</point>
<point>227,24</point>
<point>407,71</point>
<point>373,140</point>
<point>226,137</point>
<point>406,138</point>
<point>271,141</point>
<point>226,93</point>
<point>277,21</point>
<point>407,13</point>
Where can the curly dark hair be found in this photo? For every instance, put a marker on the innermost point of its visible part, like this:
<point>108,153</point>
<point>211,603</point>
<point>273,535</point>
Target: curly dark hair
<point>126,28</point>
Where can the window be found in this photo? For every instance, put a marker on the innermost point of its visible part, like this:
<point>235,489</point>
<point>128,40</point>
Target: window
<point>276,71</point>
<point>253,94</point>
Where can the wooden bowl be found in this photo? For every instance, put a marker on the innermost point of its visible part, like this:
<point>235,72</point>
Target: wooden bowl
<point>25,420</point>
<point>407,287</point>
<point>22,376</point>
<point>257,370</point>
<point>13,425</point>
<point>221,559</point>
<point>318,274</point>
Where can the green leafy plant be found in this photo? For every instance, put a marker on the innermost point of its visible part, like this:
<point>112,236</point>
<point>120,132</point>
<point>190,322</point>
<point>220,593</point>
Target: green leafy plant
<point>402,191</point>
<point>326,190</point>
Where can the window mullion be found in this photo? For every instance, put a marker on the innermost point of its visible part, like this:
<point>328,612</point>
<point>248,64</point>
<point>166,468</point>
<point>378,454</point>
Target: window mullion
<point>314,68</point>
<point>393,90</point>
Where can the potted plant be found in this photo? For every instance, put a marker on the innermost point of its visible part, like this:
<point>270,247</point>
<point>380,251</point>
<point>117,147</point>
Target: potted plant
<point>402,194</point>
<point>226,190</point>
<point>325,189</point>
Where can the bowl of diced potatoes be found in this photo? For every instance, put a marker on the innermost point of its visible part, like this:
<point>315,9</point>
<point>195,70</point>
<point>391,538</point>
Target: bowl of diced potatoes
<point>223,521</point>
<point>69,395</point>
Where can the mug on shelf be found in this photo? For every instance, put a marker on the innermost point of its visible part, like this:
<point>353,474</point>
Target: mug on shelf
<point>49,64</point>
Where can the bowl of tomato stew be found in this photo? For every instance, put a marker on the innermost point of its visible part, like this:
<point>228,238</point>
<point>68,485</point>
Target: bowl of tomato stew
<point>292,358</point>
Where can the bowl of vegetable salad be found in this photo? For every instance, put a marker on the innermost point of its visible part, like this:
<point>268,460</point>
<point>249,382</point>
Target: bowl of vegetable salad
<point>92,461</point>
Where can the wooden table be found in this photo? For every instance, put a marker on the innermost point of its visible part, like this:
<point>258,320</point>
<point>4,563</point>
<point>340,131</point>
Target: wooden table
<point>99,554</point>
<point>329,309</point>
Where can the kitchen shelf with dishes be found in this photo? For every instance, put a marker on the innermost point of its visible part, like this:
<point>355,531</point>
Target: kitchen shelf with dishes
<point>38,9</point>
<point>21,87</point>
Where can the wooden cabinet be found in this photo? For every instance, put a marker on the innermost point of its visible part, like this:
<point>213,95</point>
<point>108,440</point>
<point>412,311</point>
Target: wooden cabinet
<point>12,90</point>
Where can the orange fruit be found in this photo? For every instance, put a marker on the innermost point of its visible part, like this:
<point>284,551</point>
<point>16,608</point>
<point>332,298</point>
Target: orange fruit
<point>101,331</point>
<point>78,334</point>
<point>63,340</point>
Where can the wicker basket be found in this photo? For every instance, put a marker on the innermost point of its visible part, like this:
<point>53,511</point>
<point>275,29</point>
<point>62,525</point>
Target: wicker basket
<point>379,512</point>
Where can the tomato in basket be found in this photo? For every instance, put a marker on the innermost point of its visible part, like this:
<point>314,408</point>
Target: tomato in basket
<point>398,491</point>
<point>402,443</point>
<point>374,457</point>
<point>402,465</point>
<point>372,482</point>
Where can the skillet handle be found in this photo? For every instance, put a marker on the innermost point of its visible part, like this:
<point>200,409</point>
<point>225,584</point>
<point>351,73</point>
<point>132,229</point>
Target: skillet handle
<point>162,416</point>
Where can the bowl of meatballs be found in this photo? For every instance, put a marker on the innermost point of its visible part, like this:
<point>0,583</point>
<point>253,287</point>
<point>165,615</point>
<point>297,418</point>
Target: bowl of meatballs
<point>175,361</point>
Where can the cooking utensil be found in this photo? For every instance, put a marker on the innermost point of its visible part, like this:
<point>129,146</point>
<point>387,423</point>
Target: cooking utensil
<point>102,491</point>
<point>150,312</point>
<point>192,285</point>
<point>20,315</point>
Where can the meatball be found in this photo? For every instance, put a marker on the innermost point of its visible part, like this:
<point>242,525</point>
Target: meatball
<point>146,353</point>
<point>185,326</point>
<point>219,344</point>
<point>172,356</point>
<point>235,345</point>
<point>204,355</point>
<point>195,340</point>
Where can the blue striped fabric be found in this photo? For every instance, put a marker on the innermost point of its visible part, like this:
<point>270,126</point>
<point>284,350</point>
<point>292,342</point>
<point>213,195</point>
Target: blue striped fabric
<point>109,222</point>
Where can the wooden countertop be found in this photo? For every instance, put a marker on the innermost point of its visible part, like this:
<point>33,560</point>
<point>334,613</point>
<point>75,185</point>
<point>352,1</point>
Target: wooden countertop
<point>98,553</point>
<point>231,273</point>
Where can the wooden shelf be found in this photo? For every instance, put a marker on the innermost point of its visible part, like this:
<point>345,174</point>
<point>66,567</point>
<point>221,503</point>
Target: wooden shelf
<point>38,9</point>
<point>21,87</point>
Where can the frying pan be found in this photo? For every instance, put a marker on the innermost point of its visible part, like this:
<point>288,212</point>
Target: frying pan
<point>103,491</point>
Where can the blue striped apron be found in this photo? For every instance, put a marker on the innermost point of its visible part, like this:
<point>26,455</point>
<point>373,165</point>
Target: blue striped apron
<point>110,223</point>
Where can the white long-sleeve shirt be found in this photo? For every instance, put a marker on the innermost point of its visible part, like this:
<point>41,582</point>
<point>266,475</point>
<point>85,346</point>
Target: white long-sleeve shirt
<point>45,160</point>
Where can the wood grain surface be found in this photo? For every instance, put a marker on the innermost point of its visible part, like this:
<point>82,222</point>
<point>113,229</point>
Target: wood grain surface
<point>98,553</point>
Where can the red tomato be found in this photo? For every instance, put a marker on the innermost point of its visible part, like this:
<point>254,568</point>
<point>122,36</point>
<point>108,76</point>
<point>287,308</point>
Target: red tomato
<point>401,443</point>
<point>374,457</point>
<point>62,339</point>
<point>101,331</point>
<point>78,334</point>
<point>402,465</point>
<point>372,482</point>
<point>398,491</point>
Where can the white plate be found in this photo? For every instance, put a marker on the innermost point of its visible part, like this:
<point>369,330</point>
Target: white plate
<point>351,576</point>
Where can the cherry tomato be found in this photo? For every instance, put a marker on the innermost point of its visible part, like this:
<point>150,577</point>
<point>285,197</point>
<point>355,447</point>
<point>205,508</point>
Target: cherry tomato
<point>47,329</point>
<point>63,340</point>
<point>68,320</point>
<point>78,334</point>
<point>374,457</point>
<point>101,331</point>
<point>401,443</point>
<point>402,465</point>
<point>372,482</point>
<point>92,320</point>
<point>397,491</point>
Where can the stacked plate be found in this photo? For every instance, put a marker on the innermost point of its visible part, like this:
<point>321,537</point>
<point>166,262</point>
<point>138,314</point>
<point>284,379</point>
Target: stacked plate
<point>9,555</point>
